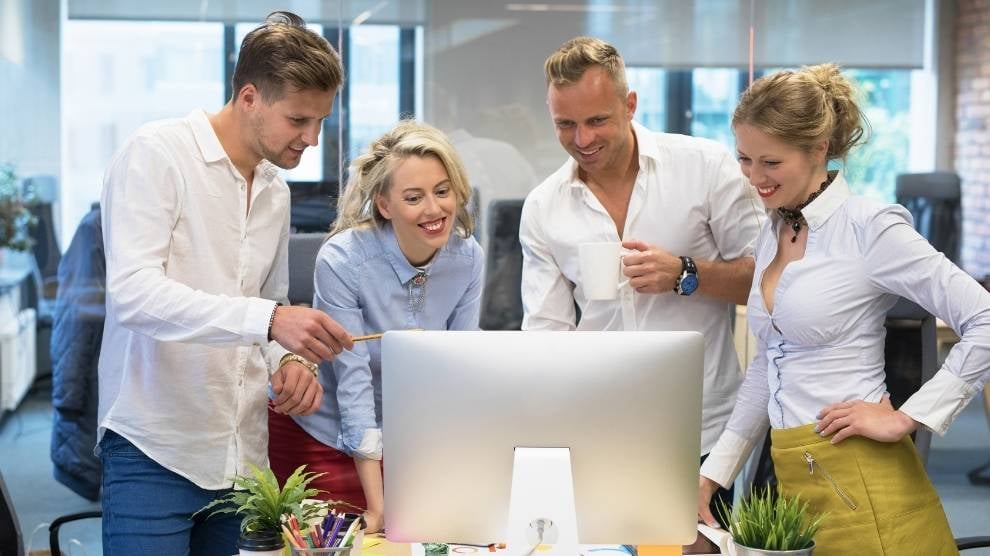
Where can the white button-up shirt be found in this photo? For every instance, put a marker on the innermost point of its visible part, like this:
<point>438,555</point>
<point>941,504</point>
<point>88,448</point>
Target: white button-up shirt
<point>690,199</point>
<point>190,281</point>
<point>824,341</point>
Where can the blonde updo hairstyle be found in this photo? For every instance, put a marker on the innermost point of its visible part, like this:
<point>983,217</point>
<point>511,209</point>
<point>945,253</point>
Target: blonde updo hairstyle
<point>371,175</point>
<point>804,107</point>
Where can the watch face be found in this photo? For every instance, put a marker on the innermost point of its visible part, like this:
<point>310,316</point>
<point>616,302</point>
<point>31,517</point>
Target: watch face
<point>688,284</point>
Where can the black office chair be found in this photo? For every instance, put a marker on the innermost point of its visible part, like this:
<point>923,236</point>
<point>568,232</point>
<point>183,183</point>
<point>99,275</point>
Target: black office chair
<point>934,201</point>
<point>501,301</point>
<point>303,249</point>
<point>911,355</point>
<point>11,540</point>
<point>53,529</point>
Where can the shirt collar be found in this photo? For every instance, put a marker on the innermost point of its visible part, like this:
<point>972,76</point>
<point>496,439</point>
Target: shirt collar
<point>646,148</point>
<point>404,270</point>
<point>206,137</point>
<point>824,206</point>
<point>212,151</point>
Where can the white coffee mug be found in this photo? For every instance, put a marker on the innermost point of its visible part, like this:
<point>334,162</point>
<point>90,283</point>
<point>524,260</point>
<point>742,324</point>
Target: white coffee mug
<point>601,269</point>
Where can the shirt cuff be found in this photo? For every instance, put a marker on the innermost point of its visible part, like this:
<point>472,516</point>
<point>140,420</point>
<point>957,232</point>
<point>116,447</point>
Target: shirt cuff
<point>256,319</point>
<point>727,458</point>
<point>939,401</point>
<point>273,352</point>
<point>371,445</point>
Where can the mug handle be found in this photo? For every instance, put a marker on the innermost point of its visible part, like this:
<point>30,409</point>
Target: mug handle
<point>720,536</point>
<point>622,253</point>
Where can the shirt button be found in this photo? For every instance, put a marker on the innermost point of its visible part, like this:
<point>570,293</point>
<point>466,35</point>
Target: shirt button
<point>243,187</point>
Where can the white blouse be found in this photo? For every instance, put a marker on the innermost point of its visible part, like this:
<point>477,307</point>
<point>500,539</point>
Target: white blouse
<point>824,341</point>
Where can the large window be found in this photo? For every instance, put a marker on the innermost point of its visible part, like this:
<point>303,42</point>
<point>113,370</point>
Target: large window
<point>118,75</point>
<point>650,85</point>
<point>873,167</point>
<point>374,84</point>
<point>121,74</point>
<point>700,102</point>
<point>714,95</point>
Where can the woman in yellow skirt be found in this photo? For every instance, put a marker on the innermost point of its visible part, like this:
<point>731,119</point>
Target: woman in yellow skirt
<point>829,265</point>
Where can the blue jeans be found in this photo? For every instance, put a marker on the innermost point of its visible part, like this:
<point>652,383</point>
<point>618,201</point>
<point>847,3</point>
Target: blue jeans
<point>148,509</point>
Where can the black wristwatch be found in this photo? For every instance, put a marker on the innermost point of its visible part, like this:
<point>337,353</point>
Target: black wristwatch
<point>687,282</point>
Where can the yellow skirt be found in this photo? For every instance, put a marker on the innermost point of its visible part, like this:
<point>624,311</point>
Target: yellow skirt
<point>877,495</point>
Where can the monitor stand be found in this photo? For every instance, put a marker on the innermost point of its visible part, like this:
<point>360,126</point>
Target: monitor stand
<point>541,504</point>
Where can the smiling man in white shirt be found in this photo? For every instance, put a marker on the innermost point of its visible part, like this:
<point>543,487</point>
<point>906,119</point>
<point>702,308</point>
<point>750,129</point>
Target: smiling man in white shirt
<point>678,204</point>
<point>196,224</point>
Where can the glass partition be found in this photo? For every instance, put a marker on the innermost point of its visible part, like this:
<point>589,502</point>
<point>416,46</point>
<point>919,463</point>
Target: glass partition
<point>475,70</point>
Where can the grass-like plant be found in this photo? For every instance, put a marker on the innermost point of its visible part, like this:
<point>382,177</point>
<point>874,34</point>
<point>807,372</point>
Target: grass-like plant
<point>262,503</point>
<point>770,521</point>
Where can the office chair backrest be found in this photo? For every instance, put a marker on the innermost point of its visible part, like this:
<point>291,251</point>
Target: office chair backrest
<point>11,541</point>
<point>303,249</point>
<point>934,200</point>
<point>911,356</point>
<point>501,302</point>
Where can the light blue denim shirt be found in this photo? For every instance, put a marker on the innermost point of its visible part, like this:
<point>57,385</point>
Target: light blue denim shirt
<point>365,283</point>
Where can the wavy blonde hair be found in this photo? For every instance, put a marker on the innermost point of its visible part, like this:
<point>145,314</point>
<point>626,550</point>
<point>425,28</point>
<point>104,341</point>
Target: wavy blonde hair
<point>371,175</point>
<point>804,107</point>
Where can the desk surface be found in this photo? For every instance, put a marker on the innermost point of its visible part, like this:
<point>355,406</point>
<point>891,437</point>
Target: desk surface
<point>376,545</point>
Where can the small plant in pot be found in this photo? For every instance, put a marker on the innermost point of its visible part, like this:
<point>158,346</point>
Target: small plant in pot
<point>16,218</point>
<point>770,523</point>
<point>263,504</point>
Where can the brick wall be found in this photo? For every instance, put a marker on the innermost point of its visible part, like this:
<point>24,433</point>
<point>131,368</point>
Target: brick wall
<point>972,141</point>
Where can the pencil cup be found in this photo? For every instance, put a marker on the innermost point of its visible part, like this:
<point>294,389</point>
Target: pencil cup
<point>353,550</point>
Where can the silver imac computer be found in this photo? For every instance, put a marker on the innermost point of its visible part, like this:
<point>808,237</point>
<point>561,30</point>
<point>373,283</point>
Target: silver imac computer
<point>541,437</point>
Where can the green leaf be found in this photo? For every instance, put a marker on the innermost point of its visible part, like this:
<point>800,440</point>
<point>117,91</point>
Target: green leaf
<point>263,503</point>
<point>767,520</point>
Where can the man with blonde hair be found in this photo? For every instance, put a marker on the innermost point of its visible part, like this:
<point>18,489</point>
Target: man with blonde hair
<point>196,225</point>
<point>679,205</point>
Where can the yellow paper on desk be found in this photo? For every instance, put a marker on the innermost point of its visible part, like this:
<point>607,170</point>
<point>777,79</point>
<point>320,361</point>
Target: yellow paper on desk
<point>658,550</point>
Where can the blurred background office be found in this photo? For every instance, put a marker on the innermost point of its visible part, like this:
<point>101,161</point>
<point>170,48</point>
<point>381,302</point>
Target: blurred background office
<point>77,77</point>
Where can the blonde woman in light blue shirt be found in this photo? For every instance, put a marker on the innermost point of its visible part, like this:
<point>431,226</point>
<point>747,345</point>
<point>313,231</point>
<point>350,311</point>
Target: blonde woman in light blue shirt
<point>400,256</point>
<point>829,265</point>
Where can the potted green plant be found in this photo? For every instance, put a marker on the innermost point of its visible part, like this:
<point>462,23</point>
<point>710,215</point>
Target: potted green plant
<point>263,504</point>
<point>770,523</point>
<point>16,218</point>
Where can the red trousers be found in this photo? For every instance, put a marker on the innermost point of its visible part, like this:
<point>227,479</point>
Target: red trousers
<point>289,446</point>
